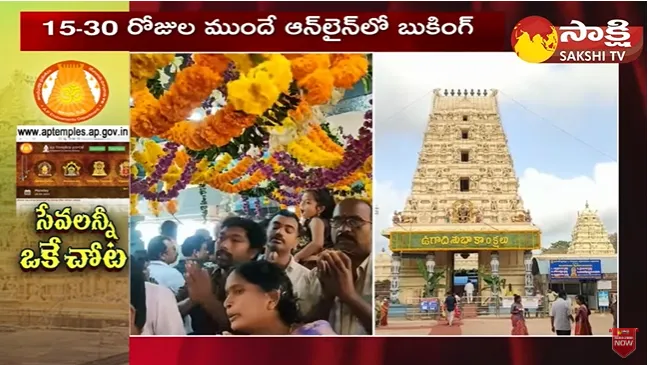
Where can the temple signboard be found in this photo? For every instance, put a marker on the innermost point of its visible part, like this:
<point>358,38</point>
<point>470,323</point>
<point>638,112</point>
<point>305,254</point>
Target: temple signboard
<point>458,241</point>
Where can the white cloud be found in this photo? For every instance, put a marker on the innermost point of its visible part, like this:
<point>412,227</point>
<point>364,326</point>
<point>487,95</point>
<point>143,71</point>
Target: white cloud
<point>553,202</point>
<point>403,83</point>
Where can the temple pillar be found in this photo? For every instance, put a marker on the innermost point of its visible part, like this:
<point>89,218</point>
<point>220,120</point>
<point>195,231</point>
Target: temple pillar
<point>394,282</point>
<point>430,266</point>
<point>495,269</point>
<point>529,280</point>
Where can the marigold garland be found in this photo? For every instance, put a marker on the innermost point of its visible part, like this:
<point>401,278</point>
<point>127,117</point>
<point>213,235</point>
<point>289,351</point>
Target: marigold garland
<point>310,154</point>
<point>215,130</point>
<point>191,87</point>
<point>237,171</point>
<point>244,184</point>
<point>262,79</point>
<point>144,67</point>
<point>133,199</point>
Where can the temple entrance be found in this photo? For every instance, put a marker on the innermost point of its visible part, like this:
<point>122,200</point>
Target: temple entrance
<point>465,270</point>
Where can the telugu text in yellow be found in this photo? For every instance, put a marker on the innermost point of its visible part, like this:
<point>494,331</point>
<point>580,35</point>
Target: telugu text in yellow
<point>76,259</point>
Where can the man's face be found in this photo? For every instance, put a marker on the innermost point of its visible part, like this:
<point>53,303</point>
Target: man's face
<point>171,254</point>
<point>282,234</point>
<point>233,247</point>
<point>351,228</point>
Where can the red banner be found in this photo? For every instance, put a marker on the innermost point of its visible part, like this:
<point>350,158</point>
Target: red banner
<point>624,341</point>
<point>262,32</point>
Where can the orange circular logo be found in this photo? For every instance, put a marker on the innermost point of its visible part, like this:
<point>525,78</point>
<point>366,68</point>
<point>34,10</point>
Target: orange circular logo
<point>71,91</point>
<point>534,39</point>
<point>26,148</point>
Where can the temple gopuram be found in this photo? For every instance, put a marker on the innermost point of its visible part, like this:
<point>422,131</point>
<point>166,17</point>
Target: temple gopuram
<point>589,267</point>
<point>464,203</point>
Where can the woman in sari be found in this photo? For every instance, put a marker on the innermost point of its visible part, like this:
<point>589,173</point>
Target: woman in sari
<point>582,324</point>
<point>385,306</point>
<point>260,301</point>
<point>518,317</point>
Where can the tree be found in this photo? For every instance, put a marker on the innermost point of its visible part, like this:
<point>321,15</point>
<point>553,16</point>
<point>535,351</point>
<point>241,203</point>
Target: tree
<point>433,281</point>
<point>558,247</point>
<point>613,238</point>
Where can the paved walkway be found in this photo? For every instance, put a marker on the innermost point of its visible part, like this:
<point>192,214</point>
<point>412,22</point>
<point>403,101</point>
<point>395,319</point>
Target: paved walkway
<point>601,324</point>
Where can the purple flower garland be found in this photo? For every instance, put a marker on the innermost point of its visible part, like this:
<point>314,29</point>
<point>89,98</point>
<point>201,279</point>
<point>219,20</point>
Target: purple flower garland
<point>139,186</point>
<point>296,176</point>
<point>143,186</point>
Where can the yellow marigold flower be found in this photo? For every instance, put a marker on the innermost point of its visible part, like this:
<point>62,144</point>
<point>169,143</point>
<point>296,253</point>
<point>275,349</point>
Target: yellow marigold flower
<point>253,95</point>
<point>279,70</point>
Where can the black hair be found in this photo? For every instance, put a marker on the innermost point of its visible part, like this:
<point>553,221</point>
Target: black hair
<point>287,214</point>
<point>169,229</point>
<point>516,297</point>
<point>323,198</point>
<point>265,223</point>
<point>157,247</point>
<point>255,233</point>
<point>191,244</point>
<point>270,277</point>
<point>583,301</point>
<point>563,294</point>
<point>138,292</point>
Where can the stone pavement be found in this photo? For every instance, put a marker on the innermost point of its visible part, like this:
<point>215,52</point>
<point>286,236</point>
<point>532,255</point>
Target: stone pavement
<point>601,324</point>
<point>60,347</point>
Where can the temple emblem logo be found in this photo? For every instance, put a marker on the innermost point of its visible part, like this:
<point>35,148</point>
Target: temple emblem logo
<point>71,91</point>
<point>534,39</point>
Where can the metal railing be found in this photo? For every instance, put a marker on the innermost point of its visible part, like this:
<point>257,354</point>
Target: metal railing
<point>480,306</point>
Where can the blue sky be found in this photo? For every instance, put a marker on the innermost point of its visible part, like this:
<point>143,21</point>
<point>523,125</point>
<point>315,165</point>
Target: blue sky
<point>560,120</point>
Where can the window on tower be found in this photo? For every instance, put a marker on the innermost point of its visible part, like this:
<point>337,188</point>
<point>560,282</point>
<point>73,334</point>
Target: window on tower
<point>465,134</point>
<point>465,118</point>
<point>464,156</point>
<point>464,184</point>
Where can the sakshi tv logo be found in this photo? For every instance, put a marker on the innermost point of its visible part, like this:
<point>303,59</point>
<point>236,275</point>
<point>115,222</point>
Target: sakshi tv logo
<point>536,40</point>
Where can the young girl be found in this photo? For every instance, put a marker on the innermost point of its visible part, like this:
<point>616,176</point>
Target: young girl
<point>317,207</point>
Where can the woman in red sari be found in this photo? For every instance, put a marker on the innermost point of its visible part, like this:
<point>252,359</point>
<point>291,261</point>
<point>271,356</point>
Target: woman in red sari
<point>518,317</point>
<point>384,312</point>
<point>582,324</point>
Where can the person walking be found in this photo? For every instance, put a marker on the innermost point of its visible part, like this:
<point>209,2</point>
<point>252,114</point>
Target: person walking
<point>561,315</point>
<point>450,303</point>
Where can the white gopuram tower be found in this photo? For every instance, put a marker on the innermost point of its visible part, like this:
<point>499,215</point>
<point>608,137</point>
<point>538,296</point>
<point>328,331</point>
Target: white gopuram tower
<point>464,198</point>
<point>589,236</point>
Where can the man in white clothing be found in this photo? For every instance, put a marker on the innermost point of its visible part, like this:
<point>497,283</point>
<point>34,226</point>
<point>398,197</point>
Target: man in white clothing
<point>162,253</point>
<point>283,233</point>
<point>468,289</point>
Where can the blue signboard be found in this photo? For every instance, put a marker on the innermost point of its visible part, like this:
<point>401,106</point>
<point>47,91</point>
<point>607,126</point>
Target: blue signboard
<point>576,269</point>
<point>431,305</point>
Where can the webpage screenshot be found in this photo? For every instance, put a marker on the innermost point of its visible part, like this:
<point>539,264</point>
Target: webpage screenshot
<point>71,164</point>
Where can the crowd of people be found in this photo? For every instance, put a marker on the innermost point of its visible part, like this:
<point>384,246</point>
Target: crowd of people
<point>287,275</point>
<point>562,316</point>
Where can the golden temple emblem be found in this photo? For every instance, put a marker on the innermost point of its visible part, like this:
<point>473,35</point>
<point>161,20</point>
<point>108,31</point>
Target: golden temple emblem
<point>463,211</point>
<point>124,169</point>
<point>44,169</point>
<point>71,91</point>
<point>71,169</point>
<point>99,169</point>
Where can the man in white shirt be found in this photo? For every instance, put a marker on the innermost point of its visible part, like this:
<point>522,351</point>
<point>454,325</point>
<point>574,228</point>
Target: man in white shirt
<point>283,233</point>
<point>343,278</point>
<point>162,315</point>
<point>561,315</point>
<point>162,253</point>
<point>468,289</point>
